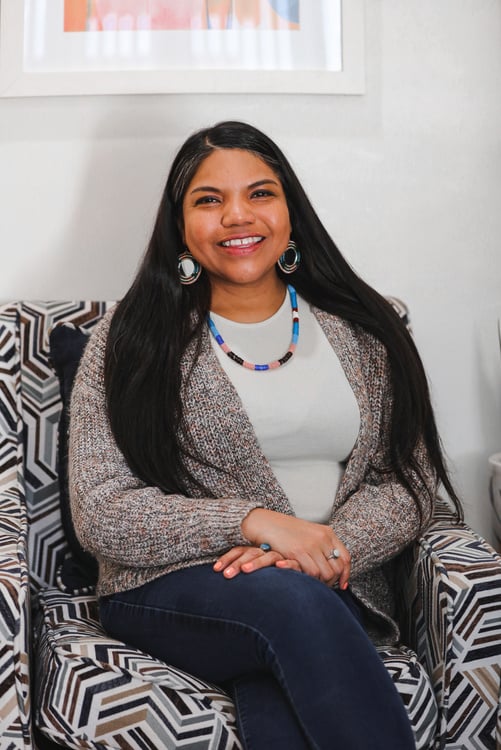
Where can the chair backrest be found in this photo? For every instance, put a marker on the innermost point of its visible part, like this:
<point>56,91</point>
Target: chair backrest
<point>38,407</point>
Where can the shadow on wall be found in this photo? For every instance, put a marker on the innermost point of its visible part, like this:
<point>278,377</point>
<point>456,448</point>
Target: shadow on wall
<point>495,458</point>
<point>80,183</point>
<point>112,203</point>
<point>488,387</point>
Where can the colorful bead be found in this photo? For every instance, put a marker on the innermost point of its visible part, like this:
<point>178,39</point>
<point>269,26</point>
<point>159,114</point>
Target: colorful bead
<point>271,365</point>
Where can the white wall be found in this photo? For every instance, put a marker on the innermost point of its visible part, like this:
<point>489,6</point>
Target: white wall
<point>407,179</point>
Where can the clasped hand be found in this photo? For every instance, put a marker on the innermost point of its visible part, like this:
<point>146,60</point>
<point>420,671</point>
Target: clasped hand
<point>295,544</point>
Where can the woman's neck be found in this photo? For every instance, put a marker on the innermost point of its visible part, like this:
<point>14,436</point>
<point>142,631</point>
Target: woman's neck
<point>248,304</point>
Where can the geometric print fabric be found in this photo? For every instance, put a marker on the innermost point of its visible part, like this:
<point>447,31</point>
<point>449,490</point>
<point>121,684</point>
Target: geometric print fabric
<point>15,730</point>
<point>41,404</point>
<point>458,591</point>
<point>415,689</point>
<point>104,702</point>
<point>93,692</point>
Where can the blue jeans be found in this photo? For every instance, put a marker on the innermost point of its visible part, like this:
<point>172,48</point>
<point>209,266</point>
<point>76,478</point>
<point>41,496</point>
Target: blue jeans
<point>291,652</point>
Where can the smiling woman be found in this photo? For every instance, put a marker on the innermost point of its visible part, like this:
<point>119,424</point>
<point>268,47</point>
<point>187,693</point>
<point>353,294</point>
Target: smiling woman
<point>236,224</point>
<point>247,517</point>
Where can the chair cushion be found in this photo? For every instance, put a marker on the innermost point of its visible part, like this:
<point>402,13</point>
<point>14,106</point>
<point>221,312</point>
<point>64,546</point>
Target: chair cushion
<point>67,343</point>
<point>96,692</point>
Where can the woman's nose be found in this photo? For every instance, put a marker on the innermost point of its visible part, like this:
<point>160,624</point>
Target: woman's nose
<point>237,211</point>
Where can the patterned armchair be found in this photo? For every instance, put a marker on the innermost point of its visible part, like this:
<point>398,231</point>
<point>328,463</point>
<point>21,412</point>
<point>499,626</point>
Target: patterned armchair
<point>64,682</point>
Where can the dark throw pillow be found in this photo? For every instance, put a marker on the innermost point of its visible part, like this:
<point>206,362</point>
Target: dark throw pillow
<point>67,343</point>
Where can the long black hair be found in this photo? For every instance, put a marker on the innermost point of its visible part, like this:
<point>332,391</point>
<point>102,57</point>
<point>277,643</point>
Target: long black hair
<point>159,317</point>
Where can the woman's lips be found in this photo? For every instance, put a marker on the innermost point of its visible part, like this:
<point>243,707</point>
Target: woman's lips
<point>241,245</point>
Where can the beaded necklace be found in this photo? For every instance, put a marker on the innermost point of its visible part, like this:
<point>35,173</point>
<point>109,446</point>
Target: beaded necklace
<point>277,362</point>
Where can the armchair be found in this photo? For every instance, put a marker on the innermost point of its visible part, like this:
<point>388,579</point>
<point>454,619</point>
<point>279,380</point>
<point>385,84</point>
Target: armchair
<point>64,682</point>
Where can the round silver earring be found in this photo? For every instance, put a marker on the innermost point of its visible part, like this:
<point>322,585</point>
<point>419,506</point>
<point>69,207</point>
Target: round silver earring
<point>188,268</point>
<point>290,258</point>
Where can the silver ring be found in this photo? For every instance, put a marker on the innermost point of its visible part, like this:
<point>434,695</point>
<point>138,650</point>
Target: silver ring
<point>335,553</point>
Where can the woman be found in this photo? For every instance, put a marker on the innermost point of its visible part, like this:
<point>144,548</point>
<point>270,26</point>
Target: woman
<point>252,444</point>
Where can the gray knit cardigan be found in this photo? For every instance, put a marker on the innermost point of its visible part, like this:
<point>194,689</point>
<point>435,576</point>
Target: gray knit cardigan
<point>138,532</point>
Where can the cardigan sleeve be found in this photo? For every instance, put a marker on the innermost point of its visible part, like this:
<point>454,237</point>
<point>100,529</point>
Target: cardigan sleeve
<point>115,514</point>
<point>379,516</point>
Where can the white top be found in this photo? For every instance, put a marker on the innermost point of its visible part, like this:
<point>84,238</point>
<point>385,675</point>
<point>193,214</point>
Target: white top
<point>304,413</point>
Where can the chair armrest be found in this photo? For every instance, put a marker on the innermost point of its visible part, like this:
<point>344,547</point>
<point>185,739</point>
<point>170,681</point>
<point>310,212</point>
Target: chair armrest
<point>14,576</point>
<point>451,599</point>
<point>14,621</point>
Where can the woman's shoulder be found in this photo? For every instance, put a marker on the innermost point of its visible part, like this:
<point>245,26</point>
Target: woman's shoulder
<point>352,340</point>
<point>344,328</point>
<point>99,334</point>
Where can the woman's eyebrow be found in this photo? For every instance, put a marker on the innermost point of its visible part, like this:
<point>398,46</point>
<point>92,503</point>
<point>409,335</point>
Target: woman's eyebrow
<point>211,189</point>
<point>206,189</point>
<point>268,181</point>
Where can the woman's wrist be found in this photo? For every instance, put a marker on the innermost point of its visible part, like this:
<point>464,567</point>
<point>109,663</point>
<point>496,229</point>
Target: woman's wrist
<point>255,524</point>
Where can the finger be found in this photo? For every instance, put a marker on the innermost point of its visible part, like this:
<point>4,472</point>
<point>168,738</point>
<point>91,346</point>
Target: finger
<point>309,565</point>
<point>246,560</point>
<point>344,578</point>
<point>336,572</point>
<point>316,564</point>
<point>328,570</point>
<point>288,564</point>
<point>228,557</point>
<point>341,568</point>
<point>339,558</point>
<point>262,560</point>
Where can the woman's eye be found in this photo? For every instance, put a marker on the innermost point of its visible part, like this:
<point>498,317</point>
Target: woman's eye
<point>205,199</point>
<point>261,193</point>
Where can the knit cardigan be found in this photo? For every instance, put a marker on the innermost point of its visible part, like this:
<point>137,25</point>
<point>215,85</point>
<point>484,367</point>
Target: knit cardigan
<point>138,532</point>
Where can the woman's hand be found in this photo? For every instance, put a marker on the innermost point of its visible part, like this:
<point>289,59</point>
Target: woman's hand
<point>300,543</point>
<point>248,559</point>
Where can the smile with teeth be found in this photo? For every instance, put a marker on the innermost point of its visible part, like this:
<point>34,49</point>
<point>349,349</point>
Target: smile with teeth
<point>242,241</point>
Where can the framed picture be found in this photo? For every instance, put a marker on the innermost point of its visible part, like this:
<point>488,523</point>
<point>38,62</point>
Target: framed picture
<point>58,47</point>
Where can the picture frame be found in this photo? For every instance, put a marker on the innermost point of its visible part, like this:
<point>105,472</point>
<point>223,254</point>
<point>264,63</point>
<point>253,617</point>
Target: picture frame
<point>68,74</point>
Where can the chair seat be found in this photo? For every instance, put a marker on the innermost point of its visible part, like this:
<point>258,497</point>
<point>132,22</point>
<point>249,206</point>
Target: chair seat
<point>96,692</point>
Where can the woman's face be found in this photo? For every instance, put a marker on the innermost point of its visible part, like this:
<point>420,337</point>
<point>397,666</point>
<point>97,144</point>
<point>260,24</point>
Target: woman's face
<point>236,220</point>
